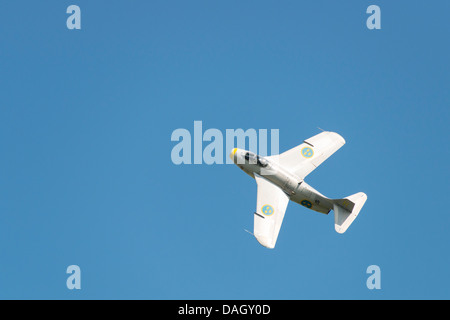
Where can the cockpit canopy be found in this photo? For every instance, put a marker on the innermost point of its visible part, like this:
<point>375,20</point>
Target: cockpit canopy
<point>255,159</point>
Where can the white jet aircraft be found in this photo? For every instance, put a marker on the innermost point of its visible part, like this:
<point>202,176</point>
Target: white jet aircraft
<point>281,178</point>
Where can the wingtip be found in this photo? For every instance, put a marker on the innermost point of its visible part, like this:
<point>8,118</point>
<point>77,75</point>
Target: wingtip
<point>338,136</point>
<point>265,242</point>
<point>332,133</point>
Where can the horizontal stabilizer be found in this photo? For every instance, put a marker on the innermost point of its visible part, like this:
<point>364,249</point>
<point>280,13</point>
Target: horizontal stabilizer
<point>346,210</point>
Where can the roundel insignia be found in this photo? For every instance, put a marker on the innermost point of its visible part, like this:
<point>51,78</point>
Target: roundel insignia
<point>306,203</point>
<point>307,152</point>
<point>267,210</point>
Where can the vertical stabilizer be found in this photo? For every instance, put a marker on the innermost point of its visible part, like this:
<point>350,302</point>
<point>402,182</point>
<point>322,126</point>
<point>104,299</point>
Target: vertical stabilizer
<point>346,210</point>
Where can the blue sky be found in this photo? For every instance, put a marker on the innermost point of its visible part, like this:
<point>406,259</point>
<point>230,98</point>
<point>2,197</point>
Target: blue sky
<point>86,176</point>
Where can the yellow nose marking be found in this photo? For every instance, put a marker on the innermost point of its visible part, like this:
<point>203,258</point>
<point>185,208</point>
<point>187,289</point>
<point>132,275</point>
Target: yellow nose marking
<point>232,153</point>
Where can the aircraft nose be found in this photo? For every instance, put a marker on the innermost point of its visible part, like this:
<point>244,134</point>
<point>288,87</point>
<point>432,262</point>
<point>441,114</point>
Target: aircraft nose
<point>232,153</point>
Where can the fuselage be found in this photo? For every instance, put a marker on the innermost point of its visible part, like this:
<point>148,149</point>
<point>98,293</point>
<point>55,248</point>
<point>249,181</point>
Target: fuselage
<point>297,189</point>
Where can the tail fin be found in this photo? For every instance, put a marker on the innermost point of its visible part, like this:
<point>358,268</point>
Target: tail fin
<point>346,210</point>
